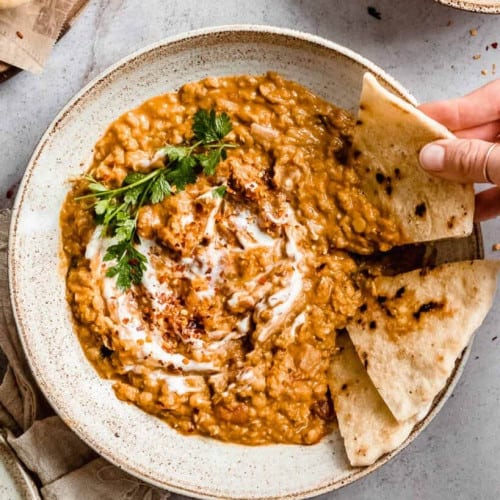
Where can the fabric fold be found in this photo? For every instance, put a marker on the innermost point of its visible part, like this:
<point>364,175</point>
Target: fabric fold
<point>101,481</point>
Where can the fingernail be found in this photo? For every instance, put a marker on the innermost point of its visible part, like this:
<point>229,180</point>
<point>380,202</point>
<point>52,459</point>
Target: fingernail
<point>432,157</point>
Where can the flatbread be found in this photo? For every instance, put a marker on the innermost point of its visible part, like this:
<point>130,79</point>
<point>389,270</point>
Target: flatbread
<point>388,137</point>
<point>414,326</point>
<point>10,4</point>
<point>365,422</point>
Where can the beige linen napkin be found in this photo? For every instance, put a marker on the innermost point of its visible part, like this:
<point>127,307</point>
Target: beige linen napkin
<point>61,463</point>
<point>28,32</point>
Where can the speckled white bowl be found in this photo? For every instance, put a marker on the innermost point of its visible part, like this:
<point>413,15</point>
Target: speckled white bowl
<point>15,483</point>
<point>128,437</point>
<point>484,6</point>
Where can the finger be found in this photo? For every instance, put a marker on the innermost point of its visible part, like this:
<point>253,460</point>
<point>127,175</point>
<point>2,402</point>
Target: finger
<point>476,108</point>
<point>461,160</point>
<point>487,204</point>
<point>486,132</point>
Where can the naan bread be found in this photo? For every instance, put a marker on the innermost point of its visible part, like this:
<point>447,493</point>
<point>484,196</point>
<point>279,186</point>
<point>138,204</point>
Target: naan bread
<point>388,137</point>
<point>406,338</point>
<point>414,326</point>
<point>10,4</point>
<point>366,424</point>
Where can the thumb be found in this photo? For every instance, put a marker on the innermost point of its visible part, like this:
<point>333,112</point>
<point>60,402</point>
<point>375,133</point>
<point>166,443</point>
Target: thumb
<point>462,160</point>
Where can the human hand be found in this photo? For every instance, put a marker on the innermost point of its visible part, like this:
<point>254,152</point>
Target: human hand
<point>474,155</point>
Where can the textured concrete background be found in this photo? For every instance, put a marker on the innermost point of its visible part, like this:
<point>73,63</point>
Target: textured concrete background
<point>429,49</point>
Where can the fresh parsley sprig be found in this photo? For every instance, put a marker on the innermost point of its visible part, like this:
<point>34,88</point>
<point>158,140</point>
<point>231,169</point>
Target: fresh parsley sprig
<point>209,131</point>
<point>117,209</point>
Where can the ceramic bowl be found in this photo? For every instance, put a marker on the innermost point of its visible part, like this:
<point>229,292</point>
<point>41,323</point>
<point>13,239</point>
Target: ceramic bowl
<point>15,483</point>
<point>128,437</point>
<point>484,6</point>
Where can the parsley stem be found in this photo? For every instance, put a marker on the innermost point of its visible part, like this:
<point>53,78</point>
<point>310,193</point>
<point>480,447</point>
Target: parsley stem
<point>140,203</point>
<point>122,189</point>
<point>119,208</point>
<point>220,145</point>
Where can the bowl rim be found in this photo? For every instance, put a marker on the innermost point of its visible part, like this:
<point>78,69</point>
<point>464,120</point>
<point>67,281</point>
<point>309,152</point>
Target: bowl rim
<point>472,6</point>
<point>357,473</point>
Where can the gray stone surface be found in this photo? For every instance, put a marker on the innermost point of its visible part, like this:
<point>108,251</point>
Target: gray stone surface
<point>429,49</point>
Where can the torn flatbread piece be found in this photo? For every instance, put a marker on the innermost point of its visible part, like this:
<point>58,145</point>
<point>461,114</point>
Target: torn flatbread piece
<point>413,327</point>
<point>367,426</point>
<point>388,137</point>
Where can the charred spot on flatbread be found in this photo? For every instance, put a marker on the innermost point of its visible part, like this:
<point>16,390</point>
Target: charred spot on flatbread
<point>420,209</point>
<point>105,352</point>
<point>427,307</point>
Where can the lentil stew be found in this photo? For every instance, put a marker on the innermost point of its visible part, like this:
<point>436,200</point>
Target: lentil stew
<point>232,330</point>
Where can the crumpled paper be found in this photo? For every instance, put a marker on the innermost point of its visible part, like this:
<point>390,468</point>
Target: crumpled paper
<point>64,466</point>
<point>28,32</point>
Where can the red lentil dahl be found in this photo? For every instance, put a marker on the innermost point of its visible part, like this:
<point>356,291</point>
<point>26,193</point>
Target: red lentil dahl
<point>232,331</point>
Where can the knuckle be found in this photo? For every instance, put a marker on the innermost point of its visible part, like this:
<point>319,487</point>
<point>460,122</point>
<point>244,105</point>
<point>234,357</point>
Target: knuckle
<point>466,157</point>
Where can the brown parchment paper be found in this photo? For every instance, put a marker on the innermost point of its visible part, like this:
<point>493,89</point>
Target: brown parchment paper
<point>28,32</point>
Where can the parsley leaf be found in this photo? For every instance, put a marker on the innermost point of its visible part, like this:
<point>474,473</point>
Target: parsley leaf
<point>117,209</point>
<point>160,189</point>
<point>102,206</point>
<point>130,264</point>
<point>132,195</point>
<point>94,186</point>
<point>209,161</point>
<point>219,191</point>
<point>223,125</point>
<point>125,227</point>
<point>208,127</point>
<point>182,173</point>
<point>174,153</point>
